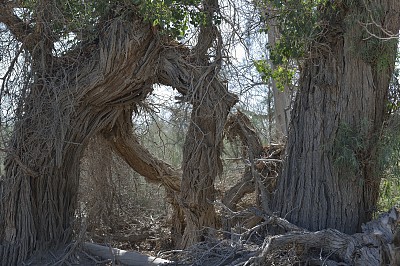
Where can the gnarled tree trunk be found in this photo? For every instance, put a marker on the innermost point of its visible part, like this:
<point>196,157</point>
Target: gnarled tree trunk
<point>331,178</point>
<point>92,90</point>
<point>64,108</point>
<point>202,161</point>
<point>211,103</point>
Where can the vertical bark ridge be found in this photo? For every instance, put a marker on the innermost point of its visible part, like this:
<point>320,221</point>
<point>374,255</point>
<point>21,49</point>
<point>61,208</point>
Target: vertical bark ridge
<point>338,88</point>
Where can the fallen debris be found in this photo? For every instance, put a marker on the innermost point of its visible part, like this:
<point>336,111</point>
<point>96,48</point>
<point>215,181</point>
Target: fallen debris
<point>121,256</point>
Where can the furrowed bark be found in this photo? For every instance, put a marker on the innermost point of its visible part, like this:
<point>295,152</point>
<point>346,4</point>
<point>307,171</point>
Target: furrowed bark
<point>342,101</point>
<point>62,111</point>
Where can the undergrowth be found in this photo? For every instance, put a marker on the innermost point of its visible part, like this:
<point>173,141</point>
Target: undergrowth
<point>389,195</point>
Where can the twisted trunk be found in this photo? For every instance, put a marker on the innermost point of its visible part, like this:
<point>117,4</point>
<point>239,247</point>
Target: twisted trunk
<point>90,91</point>
<point>66,106</point>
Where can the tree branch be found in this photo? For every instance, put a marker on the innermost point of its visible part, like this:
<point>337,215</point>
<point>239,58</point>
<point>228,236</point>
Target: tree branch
<point>124,143</point>
<point>18,28</point>
<point>208,32</point>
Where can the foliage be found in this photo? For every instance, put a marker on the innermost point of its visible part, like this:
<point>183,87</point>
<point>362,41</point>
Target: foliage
<point>282,74</point>
<point>173,16</point>
<point>350,145</point>
<point>72,16</point>
<point>299,23</point>
<point>394,88</point>
<point>389,150</point>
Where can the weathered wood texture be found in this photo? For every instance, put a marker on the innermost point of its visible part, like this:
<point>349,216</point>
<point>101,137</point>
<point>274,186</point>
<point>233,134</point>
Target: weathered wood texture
<point>201,163</point>
<point>374,246</point>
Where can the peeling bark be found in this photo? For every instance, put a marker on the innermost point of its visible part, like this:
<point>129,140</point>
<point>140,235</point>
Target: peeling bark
<point>87,92</point>
<point>201,159</point>
<point>211,102</point>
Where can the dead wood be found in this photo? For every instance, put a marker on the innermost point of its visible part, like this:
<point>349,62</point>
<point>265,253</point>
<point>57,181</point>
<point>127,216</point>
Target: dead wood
<point>131,238</point>
<point>122,256</point>
<point>374,246</point>
<point>239,126</point>
<point>262,167</point>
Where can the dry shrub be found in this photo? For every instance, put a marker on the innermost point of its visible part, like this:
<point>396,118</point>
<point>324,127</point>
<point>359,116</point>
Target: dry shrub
<point>118,206</point>
<point>283,257</point>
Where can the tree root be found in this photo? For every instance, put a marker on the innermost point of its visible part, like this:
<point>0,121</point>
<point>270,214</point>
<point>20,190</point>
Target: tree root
<point>374,246</point>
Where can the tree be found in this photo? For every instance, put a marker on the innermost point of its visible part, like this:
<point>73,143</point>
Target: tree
<point>87,65</point>
<point>331,174</point>
<point>92,87</point>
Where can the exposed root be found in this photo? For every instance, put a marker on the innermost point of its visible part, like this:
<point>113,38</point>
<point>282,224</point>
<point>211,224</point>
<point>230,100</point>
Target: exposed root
<point>374,246</point>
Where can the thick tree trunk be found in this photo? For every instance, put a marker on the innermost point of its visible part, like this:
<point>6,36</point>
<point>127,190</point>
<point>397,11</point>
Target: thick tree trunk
<point>81,94</point>
<point>64,109</point>
<point>338,113</point>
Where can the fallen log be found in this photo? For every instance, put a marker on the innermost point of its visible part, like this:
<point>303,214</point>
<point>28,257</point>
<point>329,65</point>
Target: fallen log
<point>121,256</point>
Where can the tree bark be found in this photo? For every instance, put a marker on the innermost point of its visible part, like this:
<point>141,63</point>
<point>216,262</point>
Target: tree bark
<point>339,89</point>
<point>83,93</point>
<point>201,159</point>
<point>69,102</point>
<point>211,103</point>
